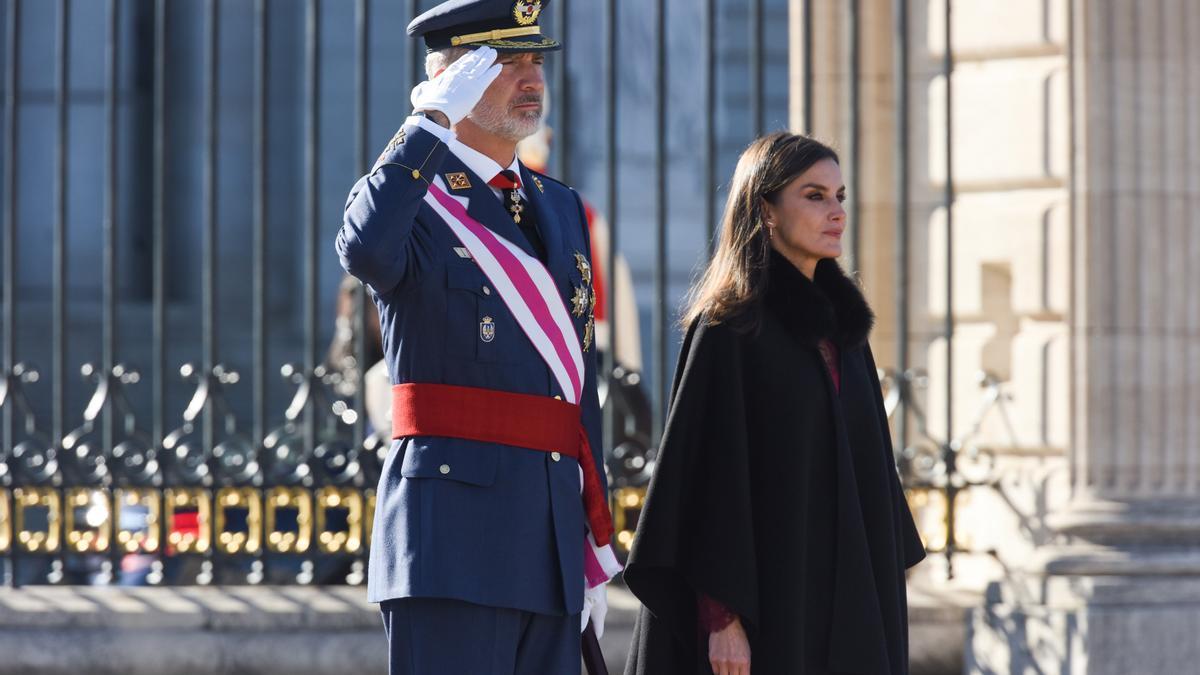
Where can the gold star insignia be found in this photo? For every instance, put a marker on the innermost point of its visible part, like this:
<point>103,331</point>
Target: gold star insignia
<point>580,301</point>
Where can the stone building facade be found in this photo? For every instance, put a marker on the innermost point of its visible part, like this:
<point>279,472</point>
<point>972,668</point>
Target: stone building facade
<point>1075,143</point>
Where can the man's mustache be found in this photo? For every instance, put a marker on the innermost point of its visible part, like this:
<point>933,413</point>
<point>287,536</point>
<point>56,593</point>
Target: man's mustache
<point>527,98</point>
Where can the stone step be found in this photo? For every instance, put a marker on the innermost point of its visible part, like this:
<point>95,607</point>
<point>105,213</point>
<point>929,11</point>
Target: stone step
<point>294,630</point>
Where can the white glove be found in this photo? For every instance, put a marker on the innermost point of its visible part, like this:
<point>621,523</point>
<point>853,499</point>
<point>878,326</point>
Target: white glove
<point>456,90</point>
<point>595,606</point>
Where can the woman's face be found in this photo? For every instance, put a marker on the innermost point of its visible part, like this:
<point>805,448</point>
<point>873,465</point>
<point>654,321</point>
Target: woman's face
<point>807,219</point>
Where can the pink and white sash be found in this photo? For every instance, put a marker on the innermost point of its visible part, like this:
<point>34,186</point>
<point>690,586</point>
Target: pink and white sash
<point>526,287</point>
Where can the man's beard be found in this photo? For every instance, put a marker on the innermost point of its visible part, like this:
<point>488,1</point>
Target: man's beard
<point>513,125</point>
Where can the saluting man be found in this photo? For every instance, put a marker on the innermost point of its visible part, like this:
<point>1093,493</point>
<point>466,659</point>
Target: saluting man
<point>491,536</point>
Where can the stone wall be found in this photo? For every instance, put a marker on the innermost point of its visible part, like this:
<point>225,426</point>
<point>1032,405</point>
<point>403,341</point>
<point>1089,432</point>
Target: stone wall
<point>1011,245</point>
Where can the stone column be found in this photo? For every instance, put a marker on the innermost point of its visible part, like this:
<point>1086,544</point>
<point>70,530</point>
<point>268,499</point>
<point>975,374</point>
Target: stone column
<point>1121,593</point>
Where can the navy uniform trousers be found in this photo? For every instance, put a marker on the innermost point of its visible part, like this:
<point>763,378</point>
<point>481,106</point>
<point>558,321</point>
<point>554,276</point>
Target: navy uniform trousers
<point>448,636</point>
<point>477,548</point>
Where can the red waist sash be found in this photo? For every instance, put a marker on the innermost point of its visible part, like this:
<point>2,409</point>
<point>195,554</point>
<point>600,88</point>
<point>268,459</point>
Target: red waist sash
<point>522,420</point>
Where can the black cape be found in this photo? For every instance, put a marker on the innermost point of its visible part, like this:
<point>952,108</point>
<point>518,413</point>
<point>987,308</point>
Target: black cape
<point>776,495</point>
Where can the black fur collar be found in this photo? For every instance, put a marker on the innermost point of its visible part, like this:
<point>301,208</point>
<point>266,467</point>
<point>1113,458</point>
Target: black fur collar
<point>828,306</point>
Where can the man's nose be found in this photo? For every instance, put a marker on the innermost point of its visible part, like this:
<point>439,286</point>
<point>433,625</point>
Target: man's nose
<point>532,79</point>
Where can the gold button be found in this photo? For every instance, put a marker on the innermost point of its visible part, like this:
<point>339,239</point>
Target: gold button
<point>487,291</point>
<point>555,456</point>
<point>416,174</point>
<point>557,397</point>
<point>444,469</point>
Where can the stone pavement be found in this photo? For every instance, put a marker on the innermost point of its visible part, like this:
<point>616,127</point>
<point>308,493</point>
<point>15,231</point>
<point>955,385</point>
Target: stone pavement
<point>297,630</point>
<point>189,630</point>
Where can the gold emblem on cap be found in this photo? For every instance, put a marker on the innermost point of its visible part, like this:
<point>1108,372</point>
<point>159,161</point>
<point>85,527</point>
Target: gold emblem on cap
<point>458,181</point>
<point>526,11</point>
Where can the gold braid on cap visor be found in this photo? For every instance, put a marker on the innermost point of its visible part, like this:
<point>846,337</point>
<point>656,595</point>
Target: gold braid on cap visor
<point>490,35</point>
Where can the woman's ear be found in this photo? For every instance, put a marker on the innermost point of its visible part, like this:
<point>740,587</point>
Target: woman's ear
<point>768,211</point>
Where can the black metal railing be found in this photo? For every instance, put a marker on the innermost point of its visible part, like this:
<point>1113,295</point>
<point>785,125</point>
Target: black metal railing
<point>179,469</point>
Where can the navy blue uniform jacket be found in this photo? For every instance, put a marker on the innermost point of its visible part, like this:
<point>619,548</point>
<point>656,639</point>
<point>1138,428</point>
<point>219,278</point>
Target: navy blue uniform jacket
<point>490,524</point>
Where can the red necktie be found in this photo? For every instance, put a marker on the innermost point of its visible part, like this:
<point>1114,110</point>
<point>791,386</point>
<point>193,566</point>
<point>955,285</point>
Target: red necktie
<point>505,180</point>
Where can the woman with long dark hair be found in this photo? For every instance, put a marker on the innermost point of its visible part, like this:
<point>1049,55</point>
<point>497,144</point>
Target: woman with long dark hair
<point>775,534</point>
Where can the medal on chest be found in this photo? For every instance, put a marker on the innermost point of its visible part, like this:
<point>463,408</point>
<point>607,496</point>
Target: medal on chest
<point>584,299</point>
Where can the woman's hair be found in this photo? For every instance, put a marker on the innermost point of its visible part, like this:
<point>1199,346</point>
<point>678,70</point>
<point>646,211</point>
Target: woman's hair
<point>732,285</point>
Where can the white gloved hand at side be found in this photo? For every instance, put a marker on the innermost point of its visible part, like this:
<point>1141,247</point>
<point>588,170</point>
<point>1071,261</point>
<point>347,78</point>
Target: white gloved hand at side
<point>455,91</point>
<point>595,607</point>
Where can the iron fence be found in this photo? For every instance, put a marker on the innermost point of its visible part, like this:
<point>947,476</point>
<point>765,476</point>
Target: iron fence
<point>263,478</point>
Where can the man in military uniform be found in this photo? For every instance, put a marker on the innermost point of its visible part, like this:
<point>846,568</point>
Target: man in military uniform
<point>491,537</point>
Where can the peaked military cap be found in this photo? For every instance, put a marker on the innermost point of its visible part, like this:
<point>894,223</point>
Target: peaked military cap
<point>505,25</point>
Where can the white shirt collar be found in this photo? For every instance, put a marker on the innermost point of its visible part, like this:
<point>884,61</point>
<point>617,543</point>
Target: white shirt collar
<point>480,164</point>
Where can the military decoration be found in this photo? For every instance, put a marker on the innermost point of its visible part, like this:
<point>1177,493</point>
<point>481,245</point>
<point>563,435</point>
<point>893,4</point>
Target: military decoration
<point>526,11</point>
<point>487,329</point>
<point>587,333</point>
<point>458,181</point>
<point>580,301</point>
<point>584,300</point>
<point>585,270</point>
<point>538,183</point>
<point>515,207</point>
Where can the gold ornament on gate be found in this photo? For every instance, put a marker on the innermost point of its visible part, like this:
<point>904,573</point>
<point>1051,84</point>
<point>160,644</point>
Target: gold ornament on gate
<point>289,520</point>
<point>339,520</point>
<point>87,520</point>
<point>40,505</point>
<point>189,520</point>
<point>233,506</point>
